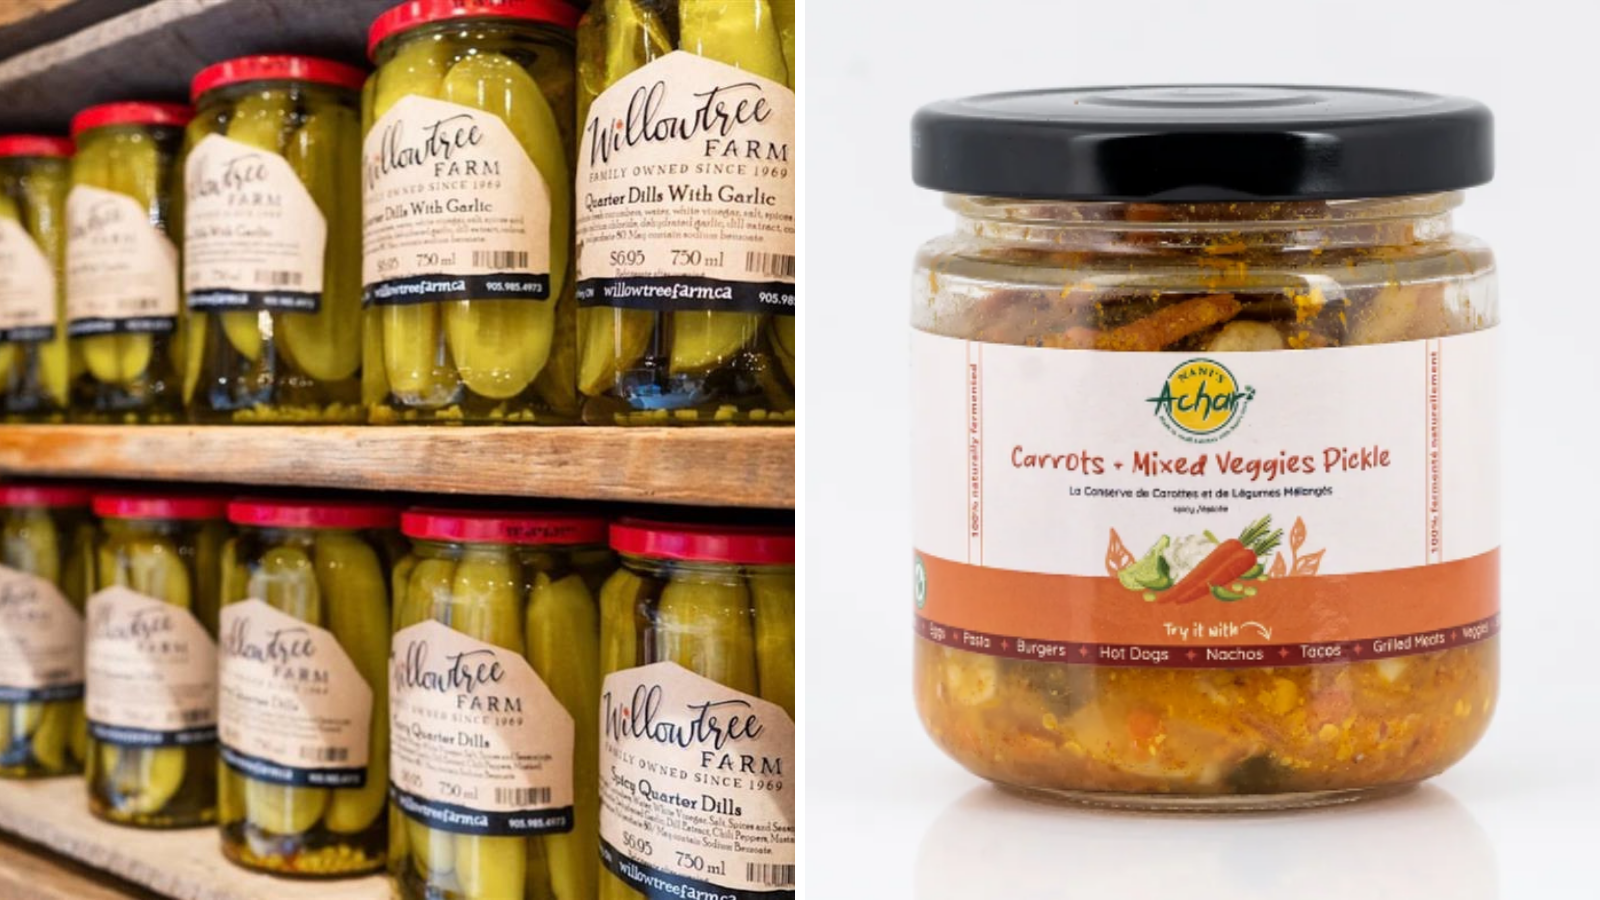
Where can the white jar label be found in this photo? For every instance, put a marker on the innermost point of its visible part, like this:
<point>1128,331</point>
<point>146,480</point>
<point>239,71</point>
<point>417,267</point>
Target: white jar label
<point>686,191</point>
<point>151,670</point>
<point>454,209</point>
<point>41,641</point>
<point>27,287</point>
<point>294,708</point>
<point>478,743</point>
<point>253,237</point>
<point>122,271</point>
<point>1221,509</point>
<point>697,787</point>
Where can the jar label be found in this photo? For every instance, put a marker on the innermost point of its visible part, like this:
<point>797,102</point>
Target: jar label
<point>453,208</point>
<point>478,743</point>
<point>294,709</point>
<point>41,641</point>
<point>152,672</point>
<point>697,787</point>
<point>1227,509</point>
<point>122,271</point>
<point>686,191</point>
<point>27,287</point>
<point>253,237</point>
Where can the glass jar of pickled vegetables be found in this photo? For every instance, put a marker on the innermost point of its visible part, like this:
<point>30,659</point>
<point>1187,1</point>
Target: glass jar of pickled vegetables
<point>697,645</point>
<point>36,369</point>
<point>151,660</point>
<point>1205,439</point>
<point>304,781</point>
<point>272,240</point>
<point>686,212</point>
<point>46,563</point>
<point>467,272</point>
<point>123,312</point>
<point>495,685</point>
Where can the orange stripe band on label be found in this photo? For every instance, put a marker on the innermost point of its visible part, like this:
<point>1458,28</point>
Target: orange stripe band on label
<point>1303,620</point>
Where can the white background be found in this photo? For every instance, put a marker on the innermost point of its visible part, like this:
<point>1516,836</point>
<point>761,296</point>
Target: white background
<point>887,816</point>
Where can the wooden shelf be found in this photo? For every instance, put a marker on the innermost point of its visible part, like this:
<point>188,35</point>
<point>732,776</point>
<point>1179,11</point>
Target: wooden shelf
<point>741,467</point>
<point>151,51</point>
<point>185,864</point>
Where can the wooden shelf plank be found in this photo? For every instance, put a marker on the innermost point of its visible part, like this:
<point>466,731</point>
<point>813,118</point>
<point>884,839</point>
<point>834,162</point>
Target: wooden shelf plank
<point>741,467</point>
<point>151,52</point>
<point>186,864</point>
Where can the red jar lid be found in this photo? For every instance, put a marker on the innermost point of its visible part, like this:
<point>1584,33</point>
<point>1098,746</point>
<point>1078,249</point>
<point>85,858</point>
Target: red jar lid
<point>276,68</point>
<point>159,506</point>
<point>413,13</point>
<point>704,543</point>
<point>176,114</point>
<point>34,145</point>
<point>265,513</point>
<point>502,527</point>
<point>49,495</point>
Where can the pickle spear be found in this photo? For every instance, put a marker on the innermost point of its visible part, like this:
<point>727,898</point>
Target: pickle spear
<point>428,597</point>
<point>30,543</point>
<point>620,604</point>
<point>613,340</point>
<point>500,346</point>
<point>259,120</point>
<point>324,152</point>
<point>773,597</point>
<point>484,604</point>
<point>144,779</point>
<point>783,14</point>
<point>742,34</point>
<point>350,575</point>
<point>563,648</point>
<point>8,350</point>
<point>130,165</point>
<point>44,190</point>
<point>705,627</point>
<point>412,345</point>
<point>287,581</point>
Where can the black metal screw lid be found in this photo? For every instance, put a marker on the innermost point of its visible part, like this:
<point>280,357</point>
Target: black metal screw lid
<point>1196,143</point>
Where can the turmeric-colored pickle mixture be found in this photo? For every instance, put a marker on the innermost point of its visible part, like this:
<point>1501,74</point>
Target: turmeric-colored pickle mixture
<point>1132,277</point>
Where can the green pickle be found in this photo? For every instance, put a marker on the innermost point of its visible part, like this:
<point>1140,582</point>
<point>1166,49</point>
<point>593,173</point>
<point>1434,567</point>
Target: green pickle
<point>272,363</point>
<point>174,559</point>
<point>36,371</point>
<point>684,367</point>
<point>306,562</point>
<point>533,599</point>
<point>45,533</point>
<point>720,603</point>
<point>134,376</point>
<point>483,359</point>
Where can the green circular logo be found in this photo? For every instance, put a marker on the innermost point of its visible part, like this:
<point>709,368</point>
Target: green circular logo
<point>919,582</point>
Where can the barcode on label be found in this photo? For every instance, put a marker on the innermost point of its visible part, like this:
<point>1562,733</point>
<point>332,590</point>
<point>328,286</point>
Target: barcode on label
<point>500,259</point>
<point>769,874</point>
<point>537,796</point>
<point>325,754</point>
<point>777,265</point>
<point>279,278</point>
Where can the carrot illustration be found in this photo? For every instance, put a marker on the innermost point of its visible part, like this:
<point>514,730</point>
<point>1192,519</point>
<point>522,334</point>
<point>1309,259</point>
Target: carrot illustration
<point>1227,563</point>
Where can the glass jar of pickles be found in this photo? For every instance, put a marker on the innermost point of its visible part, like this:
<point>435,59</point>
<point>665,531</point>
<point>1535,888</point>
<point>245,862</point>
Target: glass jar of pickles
<point>495,686</point>
<point>467,268</point>
<point>305,589</point>
<point>1205,459</point>
<point>272,231</point>
<point>46,563</point>
<point>36,368</point>
<point>686,212</point>
<point>697,644</point>
<point>123,309</point>
<point>151,660</point>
